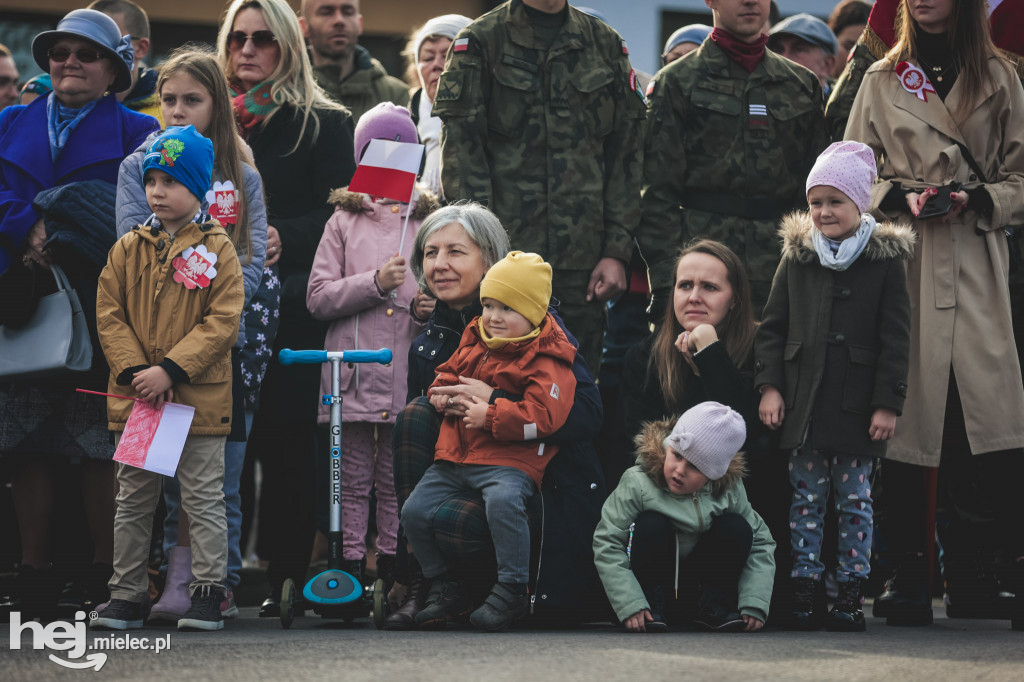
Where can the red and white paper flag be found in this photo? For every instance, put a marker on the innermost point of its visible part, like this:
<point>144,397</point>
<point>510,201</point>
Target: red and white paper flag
<point>153,439</point>
<point>388,170</point>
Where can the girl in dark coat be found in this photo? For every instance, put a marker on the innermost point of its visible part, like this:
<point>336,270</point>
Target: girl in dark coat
<point>831,360</point>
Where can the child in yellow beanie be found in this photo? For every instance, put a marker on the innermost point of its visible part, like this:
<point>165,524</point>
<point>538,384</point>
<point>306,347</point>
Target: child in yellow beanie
<point>516,347</point>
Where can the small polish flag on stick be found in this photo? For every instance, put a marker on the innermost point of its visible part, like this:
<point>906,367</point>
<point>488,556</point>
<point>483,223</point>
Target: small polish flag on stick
<point>388,170</point>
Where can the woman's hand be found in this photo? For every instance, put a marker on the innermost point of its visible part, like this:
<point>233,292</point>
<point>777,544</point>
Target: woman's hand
<point>883,424</point>
<point>916,200</point>
<point>476,413</point>
<point>153,385</point>
<point>461,395</point>
<point>772,409</point>
<point>638,621</point>
<point>753,624</point>
<point>423,305</point>
<point>273,245</point>
<point>35,246</point>
<point>695,341</point>
<point>959,204</point>
<point>392,274</point>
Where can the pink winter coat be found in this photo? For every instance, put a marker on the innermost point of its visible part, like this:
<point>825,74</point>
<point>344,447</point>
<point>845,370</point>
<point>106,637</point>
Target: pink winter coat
<point>359,238</point>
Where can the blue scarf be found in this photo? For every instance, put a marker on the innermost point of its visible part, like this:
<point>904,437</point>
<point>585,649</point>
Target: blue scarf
<point>849,249</point>
<point>62,121</point>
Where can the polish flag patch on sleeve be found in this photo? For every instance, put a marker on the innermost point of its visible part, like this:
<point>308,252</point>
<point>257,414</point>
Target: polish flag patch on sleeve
<point>625,48</point>
<point>460,45</point>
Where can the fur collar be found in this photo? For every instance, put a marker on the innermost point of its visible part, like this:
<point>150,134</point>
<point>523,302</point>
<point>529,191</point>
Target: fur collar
<point>352,202</point>
<point>889,240</point>
<point>650,454</point>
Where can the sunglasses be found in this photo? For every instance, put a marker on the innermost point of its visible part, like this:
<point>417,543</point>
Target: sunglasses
<point>85,55</point>
<point>260,39</point>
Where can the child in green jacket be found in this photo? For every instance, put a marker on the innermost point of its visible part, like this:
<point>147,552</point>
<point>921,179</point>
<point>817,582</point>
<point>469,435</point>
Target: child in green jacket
<point>678,539</point>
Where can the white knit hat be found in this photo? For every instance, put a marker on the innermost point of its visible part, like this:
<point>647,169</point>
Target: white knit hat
<point>708,435</point>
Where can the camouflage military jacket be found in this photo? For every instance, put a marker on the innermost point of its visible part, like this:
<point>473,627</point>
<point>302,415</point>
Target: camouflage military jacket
<point>840,102</point>
<point>727,154</point>
<point>548,139</point>
<point>365,88</point>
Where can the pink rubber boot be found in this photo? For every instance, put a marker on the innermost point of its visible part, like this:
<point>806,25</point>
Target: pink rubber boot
<point>175,600</point>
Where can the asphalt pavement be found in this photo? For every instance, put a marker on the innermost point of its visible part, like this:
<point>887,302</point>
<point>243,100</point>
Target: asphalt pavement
<point>250,648</point>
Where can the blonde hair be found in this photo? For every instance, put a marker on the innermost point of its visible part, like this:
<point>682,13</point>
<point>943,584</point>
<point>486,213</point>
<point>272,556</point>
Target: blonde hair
<point>293,75</point>
<point>970,43</point>
<point>736,330</point>
<point>229,158</point>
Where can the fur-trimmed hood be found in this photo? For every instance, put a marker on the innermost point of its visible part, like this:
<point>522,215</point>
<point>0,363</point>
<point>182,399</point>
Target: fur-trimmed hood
<point>889,240</point>
<point>352,202</point>
<point>650,455</point>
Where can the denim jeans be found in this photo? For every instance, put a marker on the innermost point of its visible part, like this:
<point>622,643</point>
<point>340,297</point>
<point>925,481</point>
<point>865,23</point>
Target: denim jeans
<point>505,491</point>
<point>234,458</point>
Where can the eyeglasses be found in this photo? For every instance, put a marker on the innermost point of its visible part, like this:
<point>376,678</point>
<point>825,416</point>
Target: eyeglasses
<point>85,55</point>
<point>260,39</point>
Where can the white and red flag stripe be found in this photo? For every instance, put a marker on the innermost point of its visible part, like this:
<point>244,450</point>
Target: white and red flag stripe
<point>460,45</point>
<point>388,169</point>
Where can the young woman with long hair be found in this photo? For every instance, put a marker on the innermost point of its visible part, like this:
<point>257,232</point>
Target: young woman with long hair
<point>944,114</point>
<point>302,146</point>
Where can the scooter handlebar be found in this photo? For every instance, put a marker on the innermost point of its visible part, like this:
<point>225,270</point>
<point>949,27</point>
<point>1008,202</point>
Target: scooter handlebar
<point>287,356</point>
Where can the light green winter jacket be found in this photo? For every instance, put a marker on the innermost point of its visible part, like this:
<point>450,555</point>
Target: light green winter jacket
<point>642,488</point>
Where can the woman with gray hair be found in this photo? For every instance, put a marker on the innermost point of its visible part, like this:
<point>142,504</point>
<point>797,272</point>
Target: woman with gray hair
<point>426,53</point>
<point>453,250</point>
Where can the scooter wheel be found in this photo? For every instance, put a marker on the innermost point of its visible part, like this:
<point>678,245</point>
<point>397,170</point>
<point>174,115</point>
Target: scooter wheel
<point>380,603</point>
<point>287,603</point>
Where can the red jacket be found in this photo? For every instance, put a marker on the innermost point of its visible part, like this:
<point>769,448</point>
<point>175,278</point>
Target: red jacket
<point>539,370</point>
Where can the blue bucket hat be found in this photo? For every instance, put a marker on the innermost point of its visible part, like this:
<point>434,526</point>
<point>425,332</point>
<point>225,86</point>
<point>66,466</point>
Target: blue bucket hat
<point>98,29</point>
<point>809,28</point>
<point>694,33</point>
<point>185,155</point>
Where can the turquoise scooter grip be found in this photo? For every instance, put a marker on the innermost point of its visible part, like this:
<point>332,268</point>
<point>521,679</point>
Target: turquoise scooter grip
<point>287,356</point>
<point>383,356</point>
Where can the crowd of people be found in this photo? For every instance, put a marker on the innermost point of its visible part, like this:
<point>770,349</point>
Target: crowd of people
<point>715,348</point>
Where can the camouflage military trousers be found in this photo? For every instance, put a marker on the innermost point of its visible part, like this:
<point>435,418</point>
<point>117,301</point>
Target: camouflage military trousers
<point>584,320</point>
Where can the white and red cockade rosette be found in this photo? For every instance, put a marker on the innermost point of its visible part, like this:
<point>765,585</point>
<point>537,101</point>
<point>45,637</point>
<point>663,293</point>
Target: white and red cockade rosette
<point>914,81</point>
<point>223,201</point>
<point>194,267</point>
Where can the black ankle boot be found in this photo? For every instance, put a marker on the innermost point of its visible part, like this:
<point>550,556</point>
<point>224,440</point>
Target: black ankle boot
<point>802,615</point>
<point>974,591</point>
<point>1016,580</point>
<point>416,586</point>
<point>847,615</point>
<point>909,603</point>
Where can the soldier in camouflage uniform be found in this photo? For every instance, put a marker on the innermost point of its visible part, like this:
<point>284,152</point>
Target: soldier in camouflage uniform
<point>542,120</point>
<point>727,151</point>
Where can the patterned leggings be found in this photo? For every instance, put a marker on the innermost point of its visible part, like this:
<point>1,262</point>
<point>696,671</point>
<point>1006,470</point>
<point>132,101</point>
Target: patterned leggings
<point>366,462</point>
<point>813,473</point>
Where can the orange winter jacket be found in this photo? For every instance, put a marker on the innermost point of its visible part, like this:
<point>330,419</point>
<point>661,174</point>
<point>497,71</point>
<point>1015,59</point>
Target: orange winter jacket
<point>540,371</point>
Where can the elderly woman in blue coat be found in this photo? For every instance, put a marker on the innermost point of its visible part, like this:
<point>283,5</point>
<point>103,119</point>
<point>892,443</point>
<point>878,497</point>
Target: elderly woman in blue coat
<point>78,132</point>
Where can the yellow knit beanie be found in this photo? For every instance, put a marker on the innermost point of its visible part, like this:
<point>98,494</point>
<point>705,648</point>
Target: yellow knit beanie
<point>522,281</point>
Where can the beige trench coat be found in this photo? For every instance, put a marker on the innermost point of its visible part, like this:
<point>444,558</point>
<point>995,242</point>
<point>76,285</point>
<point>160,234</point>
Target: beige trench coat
<point>960,306</point>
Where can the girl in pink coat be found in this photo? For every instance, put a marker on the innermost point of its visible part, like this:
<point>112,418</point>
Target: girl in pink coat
<point>360,283</point>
